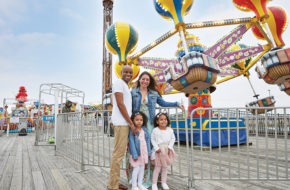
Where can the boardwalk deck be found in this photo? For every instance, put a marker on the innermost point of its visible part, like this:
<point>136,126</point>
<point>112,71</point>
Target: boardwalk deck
<point>28,167</point>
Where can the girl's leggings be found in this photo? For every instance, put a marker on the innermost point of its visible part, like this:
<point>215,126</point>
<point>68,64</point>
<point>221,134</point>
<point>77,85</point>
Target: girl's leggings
<point>137,175</point>
<point>156,172</point>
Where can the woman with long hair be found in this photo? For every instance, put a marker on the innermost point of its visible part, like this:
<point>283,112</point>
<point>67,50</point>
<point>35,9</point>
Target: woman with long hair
<point>145,96</point>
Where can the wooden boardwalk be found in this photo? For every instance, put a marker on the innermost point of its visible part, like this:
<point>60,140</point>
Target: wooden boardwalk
<point>28,167</point>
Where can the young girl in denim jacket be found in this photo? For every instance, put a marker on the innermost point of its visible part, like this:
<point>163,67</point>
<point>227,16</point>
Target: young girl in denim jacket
<point>140,149</point>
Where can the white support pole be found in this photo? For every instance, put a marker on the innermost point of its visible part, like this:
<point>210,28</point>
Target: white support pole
<point>270,35</point>
<point>8,127</point>
<point>182,36</point>
<point>56,92</point>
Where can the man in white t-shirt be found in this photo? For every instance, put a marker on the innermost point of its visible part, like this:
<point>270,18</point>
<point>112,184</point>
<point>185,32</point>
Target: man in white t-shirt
<point>122,110</point>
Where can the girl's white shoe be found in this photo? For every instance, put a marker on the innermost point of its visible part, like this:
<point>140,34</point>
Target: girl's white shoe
<point>164,186</point>
<point>141,187</point>
<point>154,187</point>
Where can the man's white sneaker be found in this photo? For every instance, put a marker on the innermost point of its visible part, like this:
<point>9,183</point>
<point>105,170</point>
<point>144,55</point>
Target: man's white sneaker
<point>154,187</point>
<point>164,186</point>
<point>141,187</point>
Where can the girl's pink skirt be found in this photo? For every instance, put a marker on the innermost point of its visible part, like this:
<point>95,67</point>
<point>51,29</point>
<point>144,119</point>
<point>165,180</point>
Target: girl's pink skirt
<point>166,157</point>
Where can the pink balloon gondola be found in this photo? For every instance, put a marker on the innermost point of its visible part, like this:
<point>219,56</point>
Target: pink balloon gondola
<point>285,86</point>
<point>275,68</point>
<point>262,106</point>
<point>198,71</point>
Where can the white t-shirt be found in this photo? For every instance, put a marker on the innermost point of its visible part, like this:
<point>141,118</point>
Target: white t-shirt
<point>162,136</point>
<point>122,87</point>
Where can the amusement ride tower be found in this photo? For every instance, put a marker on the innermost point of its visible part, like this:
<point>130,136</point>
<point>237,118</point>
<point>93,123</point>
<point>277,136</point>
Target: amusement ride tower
<point>107,57</point>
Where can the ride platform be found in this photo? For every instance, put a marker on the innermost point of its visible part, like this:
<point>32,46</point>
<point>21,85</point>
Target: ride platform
<point>212,132</point>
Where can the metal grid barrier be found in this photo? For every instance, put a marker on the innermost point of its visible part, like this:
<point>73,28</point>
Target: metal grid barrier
<point>88,139</point>
<point>230,144</point>
<point>263,155</point>
<point>69,136</point>
<point>45,130</point>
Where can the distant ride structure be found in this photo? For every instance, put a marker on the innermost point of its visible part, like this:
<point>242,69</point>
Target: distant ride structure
<point>20,119</point>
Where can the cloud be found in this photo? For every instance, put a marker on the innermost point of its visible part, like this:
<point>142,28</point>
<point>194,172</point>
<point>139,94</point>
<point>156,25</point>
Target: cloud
<point>12,10</point>
<point>37,39</point>
<point>11,41</point>
<point>2,23</point>
<point>69,13</point>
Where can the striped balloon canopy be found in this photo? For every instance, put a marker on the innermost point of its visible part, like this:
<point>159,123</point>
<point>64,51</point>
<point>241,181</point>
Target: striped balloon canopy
<point>242,64</point>
<point>257,6</point>
<point>118,70</point>
<point>121,39</point>
<point>173,9</point>
<point>277,21</point>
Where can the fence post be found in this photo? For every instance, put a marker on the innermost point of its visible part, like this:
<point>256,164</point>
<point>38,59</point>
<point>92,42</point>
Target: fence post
<point>82,142</point>
<point>190,184</point>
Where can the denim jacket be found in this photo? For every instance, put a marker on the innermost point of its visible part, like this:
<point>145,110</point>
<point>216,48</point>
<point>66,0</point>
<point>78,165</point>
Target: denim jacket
<point>153,98</point>
<point>134,143</point>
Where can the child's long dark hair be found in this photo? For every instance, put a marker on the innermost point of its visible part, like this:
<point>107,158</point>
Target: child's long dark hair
<point>145,119</point>
<point>157,117</point>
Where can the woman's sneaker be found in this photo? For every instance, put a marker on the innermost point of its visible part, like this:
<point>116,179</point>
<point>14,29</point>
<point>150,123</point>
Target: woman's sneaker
<point>164,186</point>
<point>135,188</point>
<point>154,187</point>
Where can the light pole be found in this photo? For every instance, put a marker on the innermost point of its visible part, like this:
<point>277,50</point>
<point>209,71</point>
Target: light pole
<point>107,58</point>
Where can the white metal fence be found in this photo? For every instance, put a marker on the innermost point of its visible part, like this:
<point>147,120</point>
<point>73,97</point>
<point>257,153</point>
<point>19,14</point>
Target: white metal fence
<point>231,144</point>
<point>45,130</point>
<point>256,147</point>
<point>85,137</point>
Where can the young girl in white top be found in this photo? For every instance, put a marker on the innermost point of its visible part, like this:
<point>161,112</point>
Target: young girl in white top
<point>140,149</point>
<point>162,139</point>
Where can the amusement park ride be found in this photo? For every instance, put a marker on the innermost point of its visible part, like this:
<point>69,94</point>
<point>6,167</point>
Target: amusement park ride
<point>197,70</point>
<point>19,121</point>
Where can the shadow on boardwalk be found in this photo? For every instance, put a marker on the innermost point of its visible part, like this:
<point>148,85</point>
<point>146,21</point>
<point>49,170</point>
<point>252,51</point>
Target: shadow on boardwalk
<point>28,167</point>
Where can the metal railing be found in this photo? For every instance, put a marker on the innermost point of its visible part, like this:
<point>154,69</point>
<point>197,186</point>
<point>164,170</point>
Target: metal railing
<point>86,137</point>
<point>237,145</point>
<point>45,130</point>
<point>231,144</point>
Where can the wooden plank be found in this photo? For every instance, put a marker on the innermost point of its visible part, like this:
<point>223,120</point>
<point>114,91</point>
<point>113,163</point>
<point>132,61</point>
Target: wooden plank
<point>37,177</point>
<point>16,182</point>
<point>96,176</point>
<point>8,168</point>
<point>45,170</point>
<point>32,150</point>
<point>27,183</point>
<point>5,152</point>
<point>61,182</point>
<point>75,179</point>
<point>38,180</point>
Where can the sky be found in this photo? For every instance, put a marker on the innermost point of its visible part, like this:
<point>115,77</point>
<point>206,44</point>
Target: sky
<point>60,41</point>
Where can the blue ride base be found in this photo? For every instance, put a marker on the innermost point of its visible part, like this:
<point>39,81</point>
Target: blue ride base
<point>29,130</point>
<point>222,131</point>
